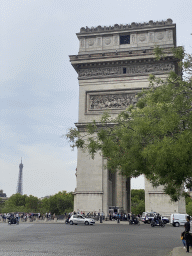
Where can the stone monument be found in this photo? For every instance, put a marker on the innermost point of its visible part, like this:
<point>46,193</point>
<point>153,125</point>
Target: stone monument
<point>113,65</point>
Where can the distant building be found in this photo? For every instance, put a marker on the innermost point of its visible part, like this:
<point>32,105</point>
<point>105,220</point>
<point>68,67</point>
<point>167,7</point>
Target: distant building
<point>2,194</point>
<point>45,197</point>
<point>3,197</point>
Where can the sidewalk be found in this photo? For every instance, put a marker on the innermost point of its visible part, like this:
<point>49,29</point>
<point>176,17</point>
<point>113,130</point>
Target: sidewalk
<point>179,251</point>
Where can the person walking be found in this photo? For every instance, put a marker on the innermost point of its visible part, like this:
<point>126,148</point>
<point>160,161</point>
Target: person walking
<point>187,235</point>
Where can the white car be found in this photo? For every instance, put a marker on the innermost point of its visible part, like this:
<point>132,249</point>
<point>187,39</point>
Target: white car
<point>79,219</point>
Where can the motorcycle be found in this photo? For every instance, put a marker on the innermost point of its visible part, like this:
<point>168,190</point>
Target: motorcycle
<point>12,220</point>
<point>134,222</point>
<point>157,223</point>
<point>67,221</point>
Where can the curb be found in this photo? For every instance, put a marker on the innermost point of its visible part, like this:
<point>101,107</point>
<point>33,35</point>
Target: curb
<point>179,251</point>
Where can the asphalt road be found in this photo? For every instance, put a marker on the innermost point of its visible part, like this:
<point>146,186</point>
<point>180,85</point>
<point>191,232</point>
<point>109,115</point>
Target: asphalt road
<point>100,239</point>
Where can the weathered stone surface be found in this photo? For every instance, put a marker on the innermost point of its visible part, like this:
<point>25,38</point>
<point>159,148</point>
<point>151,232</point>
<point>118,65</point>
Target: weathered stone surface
<point>111,70</point>
<point>141,35</point>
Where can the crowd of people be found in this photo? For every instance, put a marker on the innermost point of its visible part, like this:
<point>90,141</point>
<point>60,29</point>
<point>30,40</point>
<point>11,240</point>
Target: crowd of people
<point>26,216</point>
<point>123,216</point>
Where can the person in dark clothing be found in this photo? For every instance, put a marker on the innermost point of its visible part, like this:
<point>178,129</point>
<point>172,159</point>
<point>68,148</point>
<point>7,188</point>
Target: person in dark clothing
<point>187,235</point>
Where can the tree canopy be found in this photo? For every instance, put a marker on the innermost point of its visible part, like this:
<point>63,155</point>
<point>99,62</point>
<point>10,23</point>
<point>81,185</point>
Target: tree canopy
<point>59,203</point>
<point>153,137</point>
<point>137,201</point>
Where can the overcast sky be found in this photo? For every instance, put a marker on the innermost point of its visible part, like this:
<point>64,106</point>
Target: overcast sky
<point>39,87</point>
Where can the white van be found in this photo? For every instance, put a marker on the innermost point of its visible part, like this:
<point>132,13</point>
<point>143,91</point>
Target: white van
<point>178,219</point>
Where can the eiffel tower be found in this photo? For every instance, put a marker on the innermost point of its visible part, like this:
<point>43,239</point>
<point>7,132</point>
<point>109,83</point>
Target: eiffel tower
<point>20,179</point>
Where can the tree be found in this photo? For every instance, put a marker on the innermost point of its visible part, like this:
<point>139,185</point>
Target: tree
<point>16,203</point>
<point>59,203</point>
<point>154,137</point>
<point>32,204</point>
<point>137,201</point>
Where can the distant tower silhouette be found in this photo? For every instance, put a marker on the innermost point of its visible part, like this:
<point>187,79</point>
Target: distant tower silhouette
<point>20,179</point>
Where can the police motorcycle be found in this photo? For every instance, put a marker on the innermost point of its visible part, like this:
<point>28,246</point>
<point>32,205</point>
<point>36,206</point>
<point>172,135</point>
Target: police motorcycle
<point>67,220</point>
<point>134,221</point>
<point>12,220</point>
<point>157,221</point>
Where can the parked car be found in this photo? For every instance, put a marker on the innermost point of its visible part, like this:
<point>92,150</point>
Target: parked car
<point>79,219</point>
<point>178,219</point>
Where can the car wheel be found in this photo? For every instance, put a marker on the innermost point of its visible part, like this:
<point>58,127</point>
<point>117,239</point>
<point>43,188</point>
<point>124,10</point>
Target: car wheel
<point>71,222</point>
<point>152,225</point>
<point>177,224</point>
<point>86,223</point>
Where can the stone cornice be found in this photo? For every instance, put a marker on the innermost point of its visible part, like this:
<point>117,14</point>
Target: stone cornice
<point>83,126</point>
<point>87,192</point>
<point>114,55</point>
<point>121,62</point>
<point>123,28</point>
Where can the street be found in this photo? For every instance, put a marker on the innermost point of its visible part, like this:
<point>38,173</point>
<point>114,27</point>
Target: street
<point>100,239</point>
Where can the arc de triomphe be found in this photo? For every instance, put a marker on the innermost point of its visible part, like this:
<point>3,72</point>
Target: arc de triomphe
<point>113,64</point>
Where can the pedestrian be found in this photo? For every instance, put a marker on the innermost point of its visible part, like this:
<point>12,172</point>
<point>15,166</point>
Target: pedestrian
<point>183,239</point>
<point>17,216</point>
<point>187,234</point>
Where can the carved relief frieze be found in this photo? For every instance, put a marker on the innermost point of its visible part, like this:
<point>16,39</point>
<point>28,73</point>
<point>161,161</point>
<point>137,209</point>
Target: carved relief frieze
<point>130,70</point>
<point>107,40</point>
<point>142,38</point>
<point>133,39</point>
<point>151,37</point>
<point>110,100</point>
<point>82,43</point>
<point>99,71</point>
<point>99,40</point>
<point>170,34</point>
<point>116,39</point>
<point>160,35</point>
<point>90,42</point>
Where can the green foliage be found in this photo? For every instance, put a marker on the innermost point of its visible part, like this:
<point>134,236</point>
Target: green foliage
<point>45,205</point>
<point>158,53</point>
<point>32,204</point>
<point>154,137</point>
<point>1,204</point>
<point>58,204</point>
<point>188,202</point>
<point>137,201</point>
<point>178,53</point>
<point>189,208</point>
<point>61,202</point>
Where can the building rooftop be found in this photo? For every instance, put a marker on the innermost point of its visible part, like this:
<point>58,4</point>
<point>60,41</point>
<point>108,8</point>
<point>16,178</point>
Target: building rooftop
<point>122,27</point>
